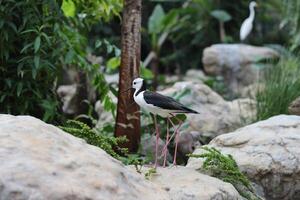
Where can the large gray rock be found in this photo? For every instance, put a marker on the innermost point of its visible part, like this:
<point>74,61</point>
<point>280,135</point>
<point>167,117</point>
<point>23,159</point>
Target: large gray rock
<point>216,116</point>
<point>148,146</point>
<point>294,107</point>
<point>188,184</point>
<point>236,63</point>
<point>195,75</point>
<point>268,152</point>
<point>41,162</point>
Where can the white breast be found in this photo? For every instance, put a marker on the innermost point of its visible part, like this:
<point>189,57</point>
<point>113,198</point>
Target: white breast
<point>139,99</point>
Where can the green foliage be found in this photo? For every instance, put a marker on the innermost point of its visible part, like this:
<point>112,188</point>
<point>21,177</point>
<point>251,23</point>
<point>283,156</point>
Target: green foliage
<point>107,143</point>
<point>150,173</point>
<point>221,15</point>
<point>156,19</point>
<point>292,16</point>
<point>146,73</point>
<point>29,57</point>
<point>279,86</point>
<point>135,160</point>
<point>104,89</point>
<point>36,41</point>
<point>104,141</point>
<point>225,168</point>
<point>92,10</point>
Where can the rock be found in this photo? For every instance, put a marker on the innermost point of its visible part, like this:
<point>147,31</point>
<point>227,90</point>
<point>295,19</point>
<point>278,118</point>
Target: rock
<point>187,143</point>
<point>112,78</point>
<point>40,161</point>
<point>95,60</point>
<point>67,94</point>
<point>148,149</point>
<point>268,152</point>
<point>216,116</point>
<point>294,107</point>
<point>76,93</point>
<point>188,184</point>
<point>104,116</point>
<point>236,63</point>
<point>195,75</point>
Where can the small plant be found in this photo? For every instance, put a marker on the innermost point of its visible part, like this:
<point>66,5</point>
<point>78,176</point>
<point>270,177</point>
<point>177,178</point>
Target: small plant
<point>279,86</point>
<point>104,141</point>
<point>149,173</point>
<point>107,143</point>
<point>135,160</point>
<point>225,168</point>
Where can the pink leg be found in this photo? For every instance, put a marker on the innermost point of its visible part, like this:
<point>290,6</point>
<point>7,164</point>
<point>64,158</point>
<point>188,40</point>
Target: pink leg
<point>170,138</point>
<point>176,145</point>
<point>157,139</point>
<point>165,150</point>
<point>176,139</point>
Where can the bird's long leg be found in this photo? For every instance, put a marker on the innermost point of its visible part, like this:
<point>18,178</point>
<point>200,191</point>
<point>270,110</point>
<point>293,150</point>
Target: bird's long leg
<point>176,138</point>
<point>170,138</point>
<point>165,150</point>
<point>157,139</point>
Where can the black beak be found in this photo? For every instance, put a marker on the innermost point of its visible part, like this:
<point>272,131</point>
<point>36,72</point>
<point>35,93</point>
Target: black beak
<point>126,90</point>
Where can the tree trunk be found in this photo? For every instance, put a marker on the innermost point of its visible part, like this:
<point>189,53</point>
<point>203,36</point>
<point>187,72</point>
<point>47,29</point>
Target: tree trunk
<point>222,32</point>
<point>128,117</point>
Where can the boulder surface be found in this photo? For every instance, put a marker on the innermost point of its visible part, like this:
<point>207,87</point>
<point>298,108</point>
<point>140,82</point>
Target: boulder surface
<point>188,184</point>
<point>268,152</point>
<point>236,63</point>
<point>40,162</point>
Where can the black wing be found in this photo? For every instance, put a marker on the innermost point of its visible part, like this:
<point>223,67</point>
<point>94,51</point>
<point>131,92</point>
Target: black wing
<point>165,102</point>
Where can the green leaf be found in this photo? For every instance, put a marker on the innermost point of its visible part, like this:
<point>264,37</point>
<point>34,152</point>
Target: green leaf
<point>69,8</point>
<point>114,63</point>
<point>146,73</point>
<point>221,15</point>
<point>155,24</point>
<point>2,98</point>
<point>178,118</point>
<point>171,20</point>
<point>8,82</point>
<point>37,44</point>
<point>98,44</point>
<point>69,56</point>
<point>26,47</point>
<point>36,61</point>
<point>1,23</point>
<point>19,88</point>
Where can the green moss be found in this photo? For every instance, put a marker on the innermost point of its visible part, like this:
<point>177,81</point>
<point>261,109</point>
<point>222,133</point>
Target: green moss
<point>225,168</point>
<point>107,143</point>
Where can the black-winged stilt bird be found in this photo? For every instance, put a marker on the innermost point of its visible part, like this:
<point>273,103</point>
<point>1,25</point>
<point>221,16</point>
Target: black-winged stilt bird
<point>163,106</point>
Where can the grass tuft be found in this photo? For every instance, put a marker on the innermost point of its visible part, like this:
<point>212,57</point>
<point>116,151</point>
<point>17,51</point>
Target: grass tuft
<point>279,86</point>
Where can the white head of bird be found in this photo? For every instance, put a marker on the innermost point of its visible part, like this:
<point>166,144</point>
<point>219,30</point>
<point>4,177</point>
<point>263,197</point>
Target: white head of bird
<point>137,83</point>
<point>248,23</point>
<point>252,4</point>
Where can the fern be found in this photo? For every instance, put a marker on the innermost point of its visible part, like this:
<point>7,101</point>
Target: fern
<point>107,143</point>
<point>225,168</point>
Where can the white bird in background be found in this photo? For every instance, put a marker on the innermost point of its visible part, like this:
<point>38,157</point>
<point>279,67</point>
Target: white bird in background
<point>248,23</point>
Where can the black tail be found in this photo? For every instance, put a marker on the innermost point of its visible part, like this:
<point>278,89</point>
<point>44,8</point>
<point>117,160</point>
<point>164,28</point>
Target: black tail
<point>188,110</point>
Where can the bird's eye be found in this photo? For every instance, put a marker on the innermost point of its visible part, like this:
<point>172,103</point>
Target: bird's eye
<point>134,83</point>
